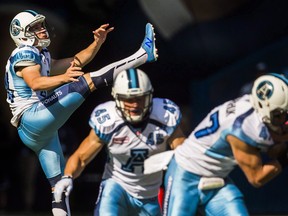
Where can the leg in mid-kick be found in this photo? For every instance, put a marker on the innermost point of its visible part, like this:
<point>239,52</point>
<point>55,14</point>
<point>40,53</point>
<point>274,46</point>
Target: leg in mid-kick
<point>146,53</point>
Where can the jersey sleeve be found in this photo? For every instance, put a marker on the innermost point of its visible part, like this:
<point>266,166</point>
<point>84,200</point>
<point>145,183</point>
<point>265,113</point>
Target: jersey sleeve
<point>102,121</point>
<point>253,132</point>
<point>259,134</point>
<point>167,112</point>
<point>26,56</point>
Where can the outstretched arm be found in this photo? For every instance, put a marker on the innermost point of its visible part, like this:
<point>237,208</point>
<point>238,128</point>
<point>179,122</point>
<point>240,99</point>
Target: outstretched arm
<point>76,163</point>
<point>83,57</point>
<point>85,153</point>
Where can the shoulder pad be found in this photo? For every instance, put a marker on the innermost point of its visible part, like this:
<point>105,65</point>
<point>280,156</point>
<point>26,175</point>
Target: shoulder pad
<point>166,111</point>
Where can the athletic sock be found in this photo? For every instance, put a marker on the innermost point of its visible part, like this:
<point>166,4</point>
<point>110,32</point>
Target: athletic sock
<point>105,76</point>
<point>62,208</point>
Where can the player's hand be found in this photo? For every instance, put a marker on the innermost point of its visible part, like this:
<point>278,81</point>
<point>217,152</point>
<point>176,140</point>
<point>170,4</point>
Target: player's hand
<point>72,73</point>
<point>64,185</point>
<point>100,34</point>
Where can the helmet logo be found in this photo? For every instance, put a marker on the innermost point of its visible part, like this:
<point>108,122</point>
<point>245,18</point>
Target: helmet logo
<point>264,90</point>
<point>15,27</point>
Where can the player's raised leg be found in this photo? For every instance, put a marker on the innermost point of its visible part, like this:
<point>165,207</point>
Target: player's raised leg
<point>147,53</point>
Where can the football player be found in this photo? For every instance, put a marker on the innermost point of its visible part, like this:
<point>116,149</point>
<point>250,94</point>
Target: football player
<point>44,92</point>
<point>131,128</point>
<point>236,133</point>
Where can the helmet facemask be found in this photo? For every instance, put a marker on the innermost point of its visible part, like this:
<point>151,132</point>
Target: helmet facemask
<point>36,27</point>
<point>131,113</point>
<point>278,121</point>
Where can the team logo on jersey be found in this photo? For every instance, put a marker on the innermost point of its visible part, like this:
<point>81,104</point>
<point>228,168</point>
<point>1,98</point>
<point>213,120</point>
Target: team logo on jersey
<point>264,90</point>
<point>136,160</point>
<point>120,140</point>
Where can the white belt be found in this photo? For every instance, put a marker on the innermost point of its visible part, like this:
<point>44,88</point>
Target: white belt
<point>208,183</point>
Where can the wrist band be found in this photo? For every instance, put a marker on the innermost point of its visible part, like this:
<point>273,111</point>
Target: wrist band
<point>67,176</point>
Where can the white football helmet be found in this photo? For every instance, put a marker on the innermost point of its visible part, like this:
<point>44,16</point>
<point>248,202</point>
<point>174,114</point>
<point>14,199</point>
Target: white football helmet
<point>270,99</point>
<point>21,30</point>
<point>129,84</point>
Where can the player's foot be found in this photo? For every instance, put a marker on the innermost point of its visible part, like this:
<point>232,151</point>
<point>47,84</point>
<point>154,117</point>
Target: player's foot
<point>148,43</point>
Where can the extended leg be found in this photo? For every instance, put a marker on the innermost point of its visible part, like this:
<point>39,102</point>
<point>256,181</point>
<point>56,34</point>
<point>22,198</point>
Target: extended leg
<point>146,53</point>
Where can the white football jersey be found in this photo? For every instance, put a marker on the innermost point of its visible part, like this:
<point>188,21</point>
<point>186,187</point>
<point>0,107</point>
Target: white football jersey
<point>207,153</point>
<point>19,95</point>
<point>128,147</point>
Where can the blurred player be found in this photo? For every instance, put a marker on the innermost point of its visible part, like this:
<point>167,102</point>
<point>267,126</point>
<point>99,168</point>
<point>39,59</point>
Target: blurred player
<point>131,129</point>
<point>43,92</point>
<point>234,133</point>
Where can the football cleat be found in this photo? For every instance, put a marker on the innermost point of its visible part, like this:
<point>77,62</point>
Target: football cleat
<point>148,43</point>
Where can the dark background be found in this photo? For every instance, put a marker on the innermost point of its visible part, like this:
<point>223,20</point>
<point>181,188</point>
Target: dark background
<point>222,47</point>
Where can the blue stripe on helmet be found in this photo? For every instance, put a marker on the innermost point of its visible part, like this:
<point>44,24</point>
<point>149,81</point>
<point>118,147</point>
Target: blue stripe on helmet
<point>279,76</point>
<point>32,12</point>
<point>133,78</point>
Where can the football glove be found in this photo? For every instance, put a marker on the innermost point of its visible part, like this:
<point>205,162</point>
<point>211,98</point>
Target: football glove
<point>65,185</point>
